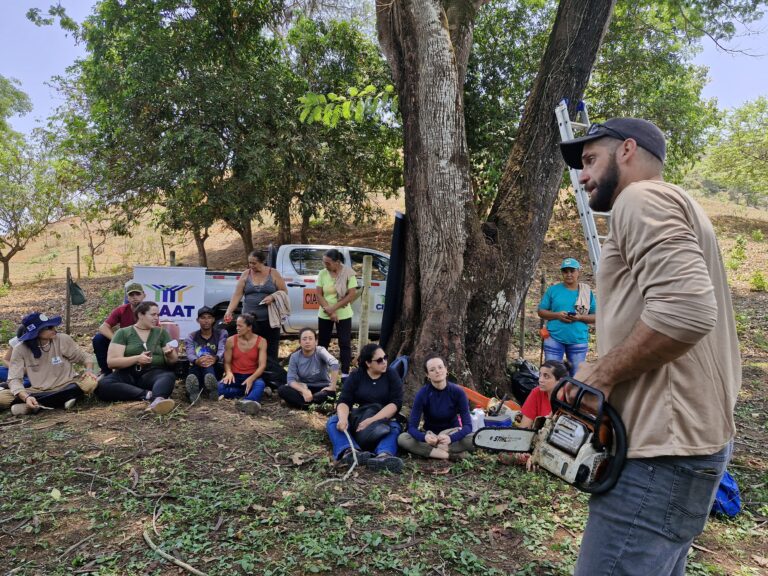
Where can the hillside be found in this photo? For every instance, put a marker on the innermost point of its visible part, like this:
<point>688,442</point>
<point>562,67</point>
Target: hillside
<point>80,491</point>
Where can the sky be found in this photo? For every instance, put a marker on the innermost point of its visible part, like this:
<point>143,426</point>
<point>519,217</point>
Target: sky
<point>34,54</point>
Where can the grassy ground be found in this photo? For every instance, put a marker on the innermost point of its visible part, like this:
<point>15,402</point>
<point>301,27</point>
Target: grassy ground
<point>231,494</point>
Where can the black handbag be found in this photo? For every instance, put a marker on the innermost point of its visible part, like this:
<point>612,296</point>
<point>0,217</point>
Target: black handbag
<point>368,438</point>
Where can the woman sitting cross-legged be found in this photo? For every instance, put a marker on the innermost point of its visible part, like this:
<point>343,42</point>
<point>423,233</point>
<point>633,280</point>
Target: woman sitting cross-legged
<point>49,359</point>
<point>442,403</point>
<point>312,373</point>
<point>378,392</point>
<point>142,357</point>
<point>245,359</point>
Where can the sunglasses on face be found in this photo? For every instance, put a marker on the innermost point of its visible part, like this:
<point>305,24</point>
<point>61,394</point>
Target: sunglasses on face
<point>380,360</point>
<point>596,127</point>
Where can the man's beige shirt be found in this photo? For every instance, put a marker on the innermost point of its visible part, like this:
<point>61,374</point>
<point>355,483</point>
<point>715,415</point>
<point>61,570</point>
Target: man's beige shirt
<point>661,264</point>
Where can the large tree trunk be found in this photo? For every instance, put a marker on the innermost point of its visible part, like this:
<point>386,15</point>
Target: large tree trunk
<point>305,219</point>
<point>429,73</point>
<point>454,267</point>
<point>520,216</point>
<point>245,231</point>
<point>200,238</point>
<point>6,271</point>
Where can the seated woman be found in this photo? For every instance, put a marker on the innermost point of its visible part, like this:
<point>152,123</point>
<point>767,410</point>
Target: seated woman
<point>312,373</point>
<point>245,359</point>
<point>141,357</point>
<point>447,423</point>
<point>48,358</point>
<point>379,393</point>
<point>537,403</point>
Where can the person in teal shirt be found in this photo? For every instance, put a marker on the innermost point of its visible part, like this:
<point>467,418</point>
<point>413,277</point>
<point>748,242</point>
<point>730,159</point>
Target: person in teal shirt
<point>336,290</point>
<point>568,308</point>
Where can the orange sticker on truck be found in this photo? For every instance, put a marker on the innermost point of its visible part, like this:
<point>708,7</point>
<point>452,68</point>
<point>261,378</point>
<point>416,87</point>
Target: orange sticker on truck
<point>310,299</point>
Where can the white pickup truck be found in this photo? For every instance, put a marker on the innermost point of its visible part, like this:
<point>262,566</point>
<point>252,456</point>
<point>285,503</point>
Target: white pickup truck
<point>299,265</point>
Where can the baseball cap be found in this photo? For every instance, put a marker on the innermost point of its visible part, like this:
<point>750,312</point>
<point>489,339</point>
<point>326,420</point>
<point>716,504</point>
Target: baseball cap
<point>570,263</point>
<point>645,133</point>
<point>205,310</point>
<point>134,287</point>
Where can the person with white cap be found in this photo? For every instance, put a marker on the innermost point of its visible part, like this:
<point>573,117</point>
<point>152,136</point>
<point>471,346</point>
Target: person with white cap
<point>49,359</point>
<point>568,307</point>
<point>668,355</point>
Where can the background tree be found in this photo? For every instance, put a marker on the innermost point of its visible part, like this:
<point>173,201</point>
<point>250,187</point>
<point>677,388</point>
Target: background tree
<point>33,192</point>
<point>736,161</point>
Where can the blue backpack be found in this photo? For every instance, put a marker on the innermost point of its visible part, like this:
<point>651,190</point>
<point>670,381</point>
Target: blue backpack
<point>727,500</point>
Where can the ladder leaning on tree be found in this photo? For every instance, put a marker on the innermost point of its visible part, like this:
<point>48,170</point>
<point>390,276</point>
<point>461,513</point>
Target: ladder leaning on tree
<point>586,215</point>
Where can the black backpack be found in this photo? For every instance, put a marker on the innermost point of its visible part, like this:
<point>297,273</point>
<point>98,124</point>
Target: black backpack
<point>523,378</point>
<point>275,375</point>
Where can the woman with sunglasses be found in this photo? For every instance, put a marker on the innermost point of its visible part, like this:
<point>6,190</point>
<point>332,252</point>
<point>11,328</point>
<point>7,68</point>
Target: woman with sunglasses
<point>257,287</point>
<point>378,393</point>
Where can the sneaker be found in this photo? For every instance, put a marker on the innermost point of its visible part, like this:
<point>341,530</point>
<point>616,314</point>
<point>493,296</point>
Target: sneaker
<point>268,392</point>
<point>70,403</point>
<point>385,462</point>
<point>192,384</point>
<point>347,459</point>
<point>250,407</point>
<point>161,405</point>
<point>21,409</point>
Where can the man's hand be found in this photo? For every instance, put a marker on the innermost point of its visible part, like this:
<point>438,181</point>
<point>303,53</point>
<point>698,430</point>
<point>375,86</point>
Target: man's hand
<point>588,373</point>
<point>206,360</point>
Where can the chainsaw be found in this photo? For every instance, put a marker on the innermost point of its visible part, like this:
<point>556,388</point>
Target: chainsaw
<point>585,448</point>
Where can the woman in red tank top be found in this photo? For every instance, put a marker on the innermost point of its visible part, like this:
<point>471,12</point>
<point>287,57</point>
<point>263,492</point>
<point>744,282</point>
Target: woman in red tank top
<point>245,359</point>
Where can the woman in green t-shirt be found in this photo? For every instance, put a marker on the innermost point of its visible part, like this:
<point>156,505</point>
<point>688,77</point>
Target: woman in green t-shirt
<point>141,356</point>
<point>336,290</point>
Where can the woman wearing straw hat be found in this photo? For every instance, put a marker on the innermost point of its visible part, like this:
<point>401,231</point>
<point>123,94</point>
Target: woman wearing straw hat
<point>48,358</point>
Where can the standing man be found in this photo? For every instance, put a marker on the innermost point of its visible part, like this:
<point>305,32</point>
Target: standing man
<point>120,317</point>
<point>568,307</point>
<point>668,353</point>
<point>205,352</point>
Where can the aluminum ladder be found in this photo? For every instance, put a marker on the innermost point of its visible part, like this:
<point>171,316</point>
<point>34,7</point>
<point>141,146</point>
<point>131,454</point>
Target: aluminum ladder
<point>586,215</point>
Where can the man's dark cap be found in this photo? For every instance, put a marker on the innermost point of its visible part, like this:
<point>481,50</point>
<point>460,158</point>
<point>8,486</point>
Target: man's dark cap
<point>205,310</point>
<point>645,133</point>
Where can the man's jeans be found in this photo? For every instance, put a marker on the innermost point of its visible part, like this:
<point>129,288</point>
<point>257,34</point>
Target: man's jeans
<point>576,353</point>
<point>647,523</point>
<point>339,441</point>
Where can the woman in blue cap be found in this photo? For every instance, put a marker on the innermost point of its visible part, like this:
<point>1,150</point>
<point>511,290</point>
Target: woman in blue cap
<point>568,307</point>
<point>49,359</point>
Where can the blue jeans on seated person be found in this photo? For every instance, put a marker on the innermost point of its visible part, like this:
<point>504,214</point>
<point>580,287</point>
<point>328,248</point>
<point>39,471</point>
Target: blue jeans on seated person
<point>237,389</point>
<point>217,370</point>
<point>340,443</point>
<point>647,522</point>
<point>576,353</point>
<point>4,377</point>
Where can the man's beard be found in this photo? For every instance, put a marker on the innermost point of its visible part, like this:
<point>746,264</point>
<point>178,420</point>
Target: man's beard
<point>600,198</point>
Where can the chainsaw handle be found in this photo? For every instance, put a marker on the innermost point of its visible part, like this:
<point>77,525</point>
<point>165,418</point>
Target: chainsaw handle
<point>574,407</point>
<point>617,459</point>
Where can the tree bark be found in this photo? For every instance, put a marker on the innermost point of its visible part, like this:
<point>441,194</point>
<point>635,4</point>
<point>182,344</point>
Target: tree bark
<point>419,43</point>
<point>520,216</point>
<point>200,238</point>
<point>245,230</point>
<point>6,271</point>
<point>464,282</point>
<point>305,219</point>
